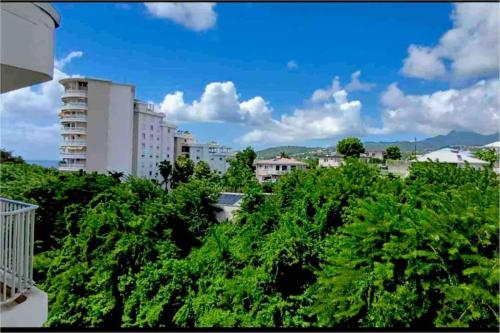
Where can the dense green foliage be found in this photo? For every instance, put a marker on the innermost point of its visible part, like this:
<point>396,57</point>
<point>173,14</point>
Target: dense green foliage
<point>183,169</point>
<point>340,247</point>
<point>488,155</point>
<point>392,153</point>
<point>350,147</point>
<point>241,172</point>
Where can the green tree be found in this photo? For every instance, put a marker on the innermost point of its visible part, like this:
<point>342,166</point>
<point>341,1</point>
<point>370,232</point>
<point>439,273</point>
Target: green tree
<point>392,153</point>
<point>284,155</point>
<point>241,171</point>
<point>350,147</point>
<point>202,170</point>
<point>488,155</point>
<point>7,156</point>
<point>165,168</point>
<point>183,169</point>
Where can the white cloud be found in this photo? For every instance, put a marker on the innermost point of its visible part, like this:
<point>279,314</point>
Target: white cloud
<point>219,103</point>
<point>355,84</point>
<point>60,63</point>
<point>291,65</point>
<point>474,108</point>
<point>29,123</point>
<point>471,46</point>
<point>334,117</point>
<point>195,16</point>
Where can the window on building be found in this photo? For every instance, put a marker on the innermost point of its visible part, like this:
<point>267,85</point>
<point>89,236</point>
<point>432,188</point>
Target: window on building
<point>143,135</point>
<point>277,167</point>
<point>143,146</point>
<point>284,167</point>
<point>220,158</point>
<point>150,173</point>
<point>197,157</point>
<point>152,127</point>
<point>292,167</point>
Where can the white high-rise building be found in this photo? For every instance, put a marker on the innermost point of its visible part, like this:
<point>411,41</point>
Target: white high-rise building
<point>97,123</point>
<point>153,141</point>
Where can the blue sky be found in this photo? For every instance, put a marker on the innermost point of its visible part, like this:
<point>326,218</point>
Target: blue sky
<point>283,53</point>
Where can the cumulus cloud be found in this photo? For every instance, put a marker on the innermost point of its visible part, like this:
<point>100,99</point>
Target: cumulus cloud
<point>219,102</point>
<point>29,123</point>
<point>355,84</point>
<point>475,108</point>
<point>334,117</point>
<point>291,65</point>
<point>195,16</point>
<point>471,47</point>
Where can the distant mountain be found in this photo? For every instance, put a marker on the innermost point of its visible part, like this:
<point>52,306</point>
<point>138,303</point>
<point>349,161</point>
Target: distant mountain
<point>454,138</point>
<point>295,151</point>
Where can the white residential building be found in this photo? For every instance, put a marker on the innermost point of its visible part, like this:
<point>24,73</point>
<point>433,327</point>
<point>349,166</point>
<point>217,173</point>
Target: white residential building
<point>333,161</point>
<point>153,141</point>
<point>97,123</point>
<point>217,156</point>
<point>453,156</point>
<point>494,146</point>
<point>378,154</point>
<point>272,170</point>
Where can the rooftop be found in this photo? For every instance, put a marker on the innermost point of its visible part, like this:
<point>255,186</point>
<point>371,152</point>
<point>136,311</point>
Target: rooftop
<point>447,155</point>
<point>281,161</point>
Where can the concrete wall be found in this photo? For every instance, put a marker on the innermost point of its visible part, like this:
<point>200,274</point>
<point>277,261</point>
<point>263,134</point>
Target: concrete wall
<point>120,128</point>
<point>97,125</point>
<point>27,52</point>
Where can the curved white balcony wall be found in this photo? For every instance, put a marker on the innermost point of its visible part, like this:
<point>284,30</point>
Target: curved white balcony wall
<point>73,117</point>
<point>27,44</point>
<point>77,155</point>
<point>73,143</point>
<point>74,106</point>
<point>73,130</point>
<point>71,167</point>
<point>74,93</point>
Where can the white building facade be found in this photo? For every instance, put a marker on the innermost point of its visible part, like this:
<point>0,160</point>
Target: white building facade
<point>96,125</point>
<point>27,49</point>
<point>153,141</point>
<point>272,170</point>
<point>215,155</point>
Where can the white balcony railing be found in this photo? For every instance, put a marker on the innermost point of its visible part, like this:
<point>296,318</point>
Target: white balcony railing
<point>73,143</point>
<point>76,155</point>
<point>17,226</point>
<point>71,166</point>
<point>74,106</point>
<point>73,117</point>
<point>74,93</point>
<point>73,130</point>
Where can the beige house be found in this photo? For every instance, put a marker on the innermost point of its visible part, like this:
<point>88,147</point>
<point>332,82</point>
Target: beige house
<point>271,170</point>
